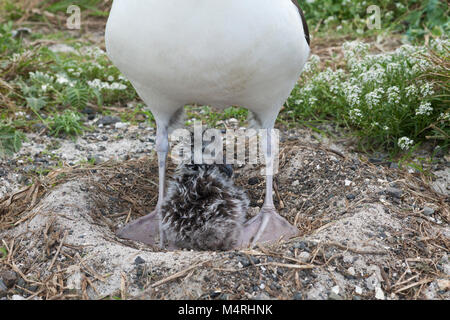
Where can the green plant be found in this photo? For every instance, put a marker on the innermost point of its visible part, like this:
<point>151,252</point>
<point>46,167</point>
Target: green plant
<point>3,253</point>
<point>415,18</point>
<point>386,99</point>
<point>10,140</point>
<point>68,123</point>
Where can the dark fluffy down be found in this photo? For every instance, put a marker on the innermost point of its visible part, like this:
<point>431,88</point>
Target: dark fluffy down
<point>203,209</point>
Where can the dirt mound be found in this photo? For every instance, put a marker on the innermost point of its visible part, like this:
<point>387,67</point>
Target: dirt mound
<point>367,232</point>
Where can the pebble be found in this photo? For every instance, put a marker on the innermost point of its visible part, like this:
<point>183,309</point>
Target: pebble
<point>335,290</point>
<point>295,183</point>
<point>9,278</point>
<point>108,120</point>
<point>351,271</point>
<point>302,245</point>
<point>372,282</point>
<point>253,181</point>
<point>262,296</point>
<point>379,294</point>
<point>358,290</point>
<point>304,257</point>
<point>394,192</point>
<point>297,296</point>
<point>334,296</point>
<point>428,211</point>
<point>351,196</point>
<point>120,125</point>
<point>139,260</point>
<point>347,182</point>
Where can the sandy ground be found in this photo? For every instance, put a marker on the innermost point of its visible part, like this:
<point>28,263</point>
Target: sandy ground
<point>367,232</point>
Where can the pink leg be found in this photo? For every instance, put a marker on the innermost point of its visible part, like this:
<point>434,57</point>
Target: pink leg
<point>268,225</point>
<point>146,229</point>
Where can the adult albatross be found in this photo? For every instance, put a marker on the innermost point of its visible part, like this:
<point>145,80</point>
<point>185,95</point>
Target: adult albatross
<point>221,53</point>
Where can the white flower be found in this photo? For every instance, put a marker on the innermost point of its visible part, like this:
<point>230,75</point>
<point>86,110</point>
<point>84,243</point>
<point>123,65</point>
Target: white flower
<point>444,116</point>
<point>393,94</point>
<point>426,90</point>
<point>373,98</point>
<point>376,74</point>
<point>355,115</point>
<point>425,108</point>
<point>98,84</point>
<point>352,93</point>
<point>312,100</point>
<point>405,143</point>
<point>411,91</point>
<point>117,86</point>
<point>111,78</point>
<point>62,79</point>
<point>312,63</point>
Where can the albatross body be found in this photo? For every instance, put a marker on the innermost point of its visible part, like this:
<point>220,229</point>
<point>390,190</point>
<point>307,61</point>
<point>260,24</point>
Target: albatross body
<point>221,53</point>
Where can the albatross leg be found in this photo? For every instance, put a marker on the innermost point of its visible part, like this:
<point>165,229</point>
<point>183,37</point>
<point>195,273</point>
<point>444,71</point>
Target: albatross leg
<point>268,225</point>
<point>146,229</point>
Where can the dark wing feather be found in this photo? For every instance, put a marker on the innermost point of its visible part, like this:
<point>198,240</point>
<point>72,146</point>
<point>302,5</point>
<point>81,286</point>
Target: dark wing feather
<point>305,25</point>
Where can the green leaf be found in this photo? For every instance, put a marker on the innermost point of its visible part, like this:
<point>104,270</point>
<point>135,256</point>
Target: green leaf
<point>36,104</point>
<point>10,140</point>
<point>77,97</point>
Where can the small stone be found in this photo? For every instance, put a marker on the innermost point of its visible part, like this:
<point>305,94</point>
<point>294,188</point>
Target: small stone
<point>372,282</point>
<point>351,196</point>
<point>253,181</point>
<point>358,290</point>
<point>139,260</point>
<point>347,182</point>
<point>120,125</point>
<point>88,110</point>
<point>334,296</point>
<point>262,296</point>
<point>244,262</point>
<point>428,211</point>
<point>9,278</point>
<point>335,290</point>
<point>304,257</point>
<point>351,271</point>
<point>108,120</point>
<point>394,192</point>
<point>297,296</point>
<point>295,183</point>
<point>302,245</point>
<point>379,294</point>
